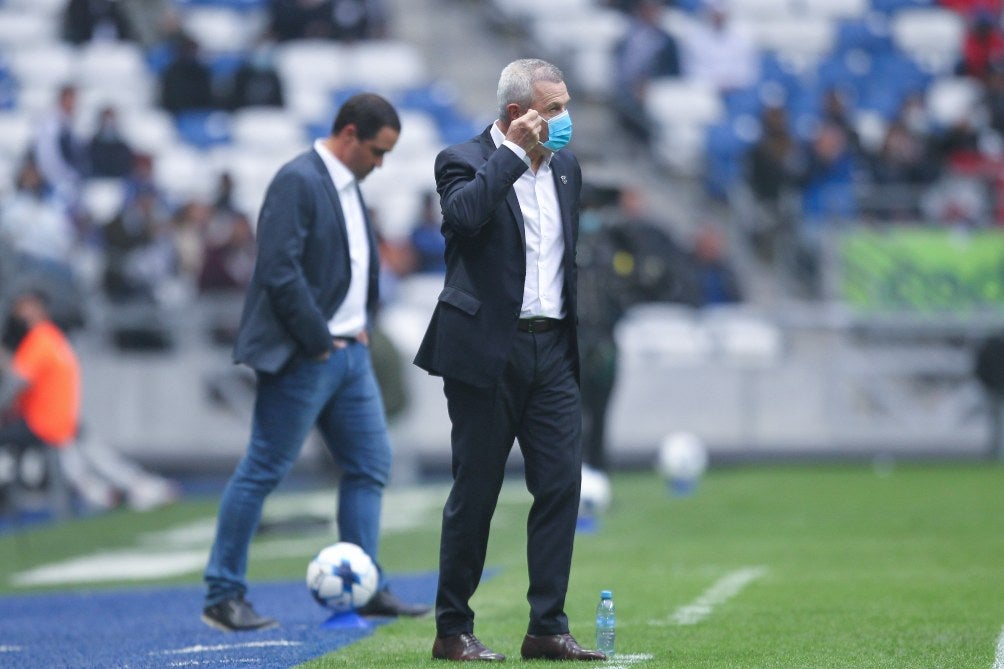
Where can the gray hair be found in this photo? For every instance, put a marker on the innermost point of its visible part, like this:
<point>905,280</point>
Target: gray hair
<point>517,80</point>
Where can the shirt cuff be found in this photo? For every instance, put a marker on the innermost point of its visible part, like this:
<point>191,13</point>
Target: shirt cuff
<point>517,149</point>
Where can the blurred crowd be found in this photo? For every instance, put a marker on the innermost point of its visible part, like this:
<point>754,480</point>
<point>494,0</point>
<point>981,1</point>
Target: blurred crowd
<point>796,180</point>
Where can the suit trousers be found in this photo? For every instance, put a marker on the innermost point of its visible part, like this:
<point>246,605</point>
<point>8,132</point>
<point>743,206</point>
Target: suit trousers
<point>537,402</point>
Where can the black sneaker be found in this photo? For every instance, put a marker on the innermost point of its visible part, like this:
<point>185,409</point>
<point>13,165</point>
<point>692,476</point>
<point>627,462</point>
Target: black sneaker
<point>235,615</point>
<point>386,605</point>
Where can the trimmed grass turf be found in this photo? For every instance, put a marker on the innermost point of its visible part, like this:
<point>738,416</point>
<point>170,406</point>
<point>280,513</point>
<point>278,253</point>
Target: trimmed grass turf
<point>895,569</point>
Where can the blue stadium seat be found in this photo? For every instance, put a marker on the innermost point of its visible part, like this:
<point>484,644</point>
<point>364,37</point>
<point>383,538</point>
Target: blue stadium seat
<point>890,6</point>
<point>724,152</point>
<point>204,128</point>
<point>866,34</point>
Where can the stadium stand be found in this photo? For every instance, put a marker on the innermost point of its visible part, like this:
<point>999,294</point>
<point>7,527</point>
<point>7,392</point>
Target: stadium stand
<point>878,53</point>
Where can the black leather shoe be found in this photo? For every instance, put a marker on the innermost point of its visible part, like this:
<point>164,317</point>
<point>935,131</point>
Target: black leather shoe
<point>556,647</point>
<point>384,604</point>
<point>235,615</point>
<point>463,648</point>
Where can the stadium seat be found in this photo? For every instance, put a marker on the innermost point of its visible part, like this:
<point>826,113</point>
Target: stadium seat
<point>267,129</point>
<point>893,6</point>
<point>950,99</point>
<point>20,29</point>
<point>801,38</point>
<point>831,9</point>
<point>203,128</point>
<point>102,199</point>
<point>50,9</point>
<point>316,64</point>
<point>386,65</point>
<point>667,333</point>
<point>44,65</point>
<point>183,172</point>
<point>223,29</point>
<point>671,100</point>
<point>932,37</point>
<point>758,9</point>
<point>16,128</point>
<point>149,130</point>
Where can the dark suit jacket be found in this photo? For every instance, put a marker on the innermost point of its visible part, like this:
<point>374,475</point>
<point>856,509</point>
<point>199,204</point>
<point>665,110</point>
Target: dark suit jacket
<point>474,322</point>
<point>302,268</point>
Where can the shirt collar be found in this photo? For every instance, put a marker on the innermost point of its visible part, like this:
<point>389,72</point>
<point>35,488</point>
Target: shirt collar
<point>340,174</point>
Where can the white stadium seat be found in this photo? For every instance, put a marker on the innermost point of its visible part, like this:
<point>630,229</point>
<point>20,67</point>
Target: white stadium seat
<point>267,129</point>
<point>933,37</point>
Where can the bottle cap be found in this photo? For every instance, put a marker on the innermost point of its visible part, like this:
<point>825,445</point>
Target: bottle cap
<point>606,594</point>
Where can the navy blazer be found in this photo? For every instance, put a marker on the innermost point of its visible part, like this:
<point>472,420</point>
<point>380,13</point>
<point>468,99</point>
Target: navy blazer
<point>302,268</point>
<point>474,322</point>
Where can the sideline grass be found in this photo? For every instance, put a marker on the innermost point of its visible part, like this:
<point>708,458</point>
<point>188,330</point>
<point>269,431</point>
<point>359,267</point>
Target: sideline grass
<point>896,569</point>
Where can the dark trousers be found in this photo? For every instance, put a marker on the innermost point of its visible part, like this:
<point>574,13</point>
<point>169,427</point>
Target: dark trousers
<point>537,402</point>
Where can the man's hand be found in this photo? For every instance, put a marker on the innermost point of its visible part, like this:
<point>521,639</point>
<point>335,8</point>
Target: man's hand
<point>525,130</point>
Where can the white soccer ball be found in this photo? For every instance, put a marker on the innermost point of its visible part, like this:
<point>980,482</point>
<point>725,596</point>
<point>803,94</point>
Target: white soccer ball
<point>342,577</point>
<point>595,496</point>
<point>682,457</point>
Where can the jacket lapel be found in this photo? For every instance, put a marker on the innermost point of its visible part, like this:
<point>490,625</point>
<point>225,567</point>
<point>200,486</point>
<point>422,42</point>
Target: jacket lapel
<point>564,189</point>
<point>487,148</point>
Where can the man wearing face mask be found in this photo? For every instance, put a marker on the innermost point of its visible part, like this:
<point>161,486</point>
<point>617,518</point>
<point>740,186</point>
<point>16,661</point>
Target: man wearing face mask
<point>503,338</point>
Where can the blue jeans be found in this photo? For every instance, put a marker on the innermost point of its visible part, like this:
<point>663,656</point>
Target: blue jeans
<point>340,395</point>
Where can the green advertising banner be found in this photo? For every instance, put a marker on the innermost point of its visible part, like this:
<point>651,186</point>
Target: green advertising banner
<point>923,270</point>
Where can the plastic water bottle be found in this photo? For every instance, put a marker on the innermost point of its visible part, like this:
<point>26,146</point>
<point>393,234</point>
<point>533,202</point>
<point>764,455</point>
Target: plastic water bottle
<point>605,623</point>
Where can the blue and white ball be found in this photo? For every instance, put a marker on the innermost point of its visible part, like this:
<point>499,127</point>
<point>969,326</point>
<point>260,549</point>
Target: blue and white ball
<point>342,577</point>
<point>682,461</point>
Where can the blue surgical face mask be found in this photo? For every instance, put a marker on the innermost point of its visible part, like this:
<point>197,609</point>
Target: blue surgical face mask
<point>559,131</point>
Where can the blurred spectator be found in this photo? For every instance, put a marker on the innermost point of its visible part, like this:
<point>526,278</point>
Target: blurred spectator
<point>427,241</point>
<point>301,19</point>
<point>829,198</point>
<point>186,82</point>
<point>656,267</point>
<point>35,223</point>
<point>718,53</point>
<point>109,155</point>
<point>717,279</point>
<point>41,384</point>
<point>256,81</point>
<point>86,20</point>
<point>646,51</point>
<point>192,221</point>
<point>327,19</point>
<point>604,295</point>
<point>838,111</point>
<point>900,170</point>
<point>983,45</point>
<point>224,199</point>
<point>58,151</point>
<point>773,168</point>
<point>358,19</point>
<point>140,250</point>
<point>229,255</point>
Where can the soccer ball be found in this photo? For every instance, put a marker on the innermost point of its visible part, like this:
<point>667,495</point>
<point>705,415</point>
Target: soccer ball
<point>595,496</point>
<point>342,577</point>
<point>682,460</point>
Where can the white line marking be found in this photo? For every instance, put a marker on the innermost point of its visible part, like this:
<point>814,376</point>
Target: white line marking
<point>11,649</point>
<point>226,646</point>
<point>999,658</point>
<point>720,592</point>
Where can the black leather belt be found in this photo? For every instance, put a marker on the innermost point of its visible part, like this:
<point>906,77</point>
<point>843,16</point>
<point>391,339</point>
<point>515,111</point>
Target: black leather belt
<point>535,325</point>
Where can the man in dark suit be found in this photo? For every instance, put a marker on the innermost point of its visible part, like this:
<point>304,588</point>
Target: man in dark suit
<point>304,330</point>
<point>503,338</point>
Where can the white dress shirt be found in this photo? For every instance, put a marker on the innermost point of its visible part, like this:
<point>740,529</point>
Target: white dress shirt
<point>350,317</point>
<point>543,289</point>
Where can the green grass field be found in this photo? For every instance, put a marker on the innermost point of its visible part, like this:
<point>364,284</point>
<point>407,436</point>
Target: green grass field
<point>805,566</point>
